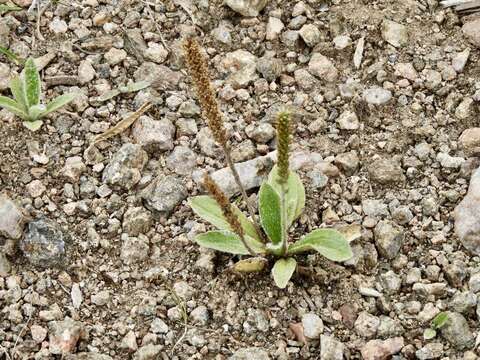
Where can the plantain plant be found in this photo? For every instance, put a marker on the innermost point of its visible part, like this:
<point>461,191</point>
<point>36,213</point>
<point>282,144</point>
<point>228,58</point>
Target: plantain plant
<point>26,91</point>
<point>281,199</point>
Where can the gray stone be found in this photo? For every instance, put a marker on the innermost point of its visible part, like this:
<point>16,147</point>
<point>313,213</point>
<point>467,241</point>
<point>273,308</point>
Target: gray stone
<point>374,208</point>
<point>469,141</point>
<point>330,348</point>
<point>407,71</point>
<point>164,193</point>
<point>261,133</point>
<point>101,298</point>
<point>310,34</point>
<point>156,53</point>
<point>44,244</point>
<point>430,351</point>
<point>247,7</point>
<point>64,335</point>
<point>463,302</point>
<point>433,79</point>
<point>115,56</point>
<point>460,60</point>
<point>304,79</point>
<point>381,349</point>
<point>467,226</point>
<point>348,162</point>
<point>274,28</point>
<point>200,315</point>
<point>474,282</point>
<point>450,162</point>
<point>471,30</point>
<point>270,68</point>
<point>137,221</point>
<point>74,167</point>
<point>182,160</point>
<point>250,354</point>
<point>390,282</point>
<point>317,178</point>
<point>134,249</point>
<point>388,238</point>
<point>465,109</point>
<point>348,120</point>
<point>377,95</point>
<point>124,170</point>
<point>207,143</point>
<point>148,352</point>
<point>366,325</point>
<point>12,220</point>
<point>240,66</point>
<point>86,72</point>
<point>158,326</point>
<point>87,356</point>
<point>386,171</point>
<point>457,332</point>
<point>389,327</point>
<point>160,76</point>
<point>312,325</point>
<point>394,33</point>
<point>322,67</point>
<point>154,135</point>
<point>222,33</point>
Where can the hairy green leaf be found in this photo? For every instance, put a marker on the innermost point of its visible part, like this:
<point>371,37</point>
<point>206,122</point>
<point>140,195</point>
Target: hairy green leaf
<point>328,242</point>
<point>33,125</point>
<point>132,87</point>
<point>16,87</point>
<point>295,197</point>
<point>253,264</point>
<point>13,106</point>
<point>35,112</point>
<point>5,8</point>
<point>207,208</point>
<point>429,334</point>
<point>222,240</point>
<point>58,102</point>
<point>283,270</point>
<point>270,213</point>
<point>440,320</point>
<point>31,83</point>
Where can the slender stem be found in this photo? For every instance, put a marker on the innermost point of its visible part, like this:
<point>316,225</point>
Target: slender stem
<point>283,200</point>
<point>230,164</point>
<point>250,250</point>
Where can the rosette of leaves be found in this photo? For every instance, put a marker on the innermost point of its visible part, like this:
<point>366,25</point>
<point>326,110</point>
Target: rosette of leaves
<point>26,91</point>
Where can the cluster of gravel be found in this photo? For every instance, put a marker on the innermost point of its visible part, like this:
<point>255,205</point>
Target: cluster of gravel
<point>97,259</point>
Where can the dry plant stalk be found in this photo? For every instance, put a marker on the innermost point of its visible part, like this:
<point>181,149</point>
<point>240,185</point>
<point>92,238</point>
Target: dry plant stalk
<point>227,209</point>
<point>198,69</point>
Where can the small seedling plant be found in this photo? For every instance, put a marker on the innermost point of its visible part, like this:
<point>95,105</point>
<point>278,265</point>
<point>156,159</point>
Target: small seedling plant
<point>26,91</point>
<point>437,323</point>
<point>281,199</point>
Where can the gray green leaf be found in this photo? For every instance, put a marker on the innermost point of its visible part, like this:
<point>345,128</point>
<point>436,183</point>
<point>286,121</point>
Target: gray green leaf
<point>16,87</point>
<point>31,83</point>
<point>328,242</point>
<point>58,102</point>
<point>440,320</point>
<point>295,196</point>
<point>207,208</point>
<point>33,125</point>
<point>253,264</point>
<point>222,240</point>
<point>12,106</point>
<point>283,270</point>
<point>270,213</point>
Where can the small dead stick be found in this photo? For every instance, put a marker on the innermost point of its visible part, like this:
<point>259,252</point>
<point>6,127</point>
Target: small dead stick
<point>122,125</point>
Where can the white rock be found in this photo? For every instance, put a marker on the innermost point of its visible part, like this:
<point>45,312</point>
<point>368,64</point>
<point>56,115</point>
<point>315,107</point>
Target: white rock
<point>310,34</point>
<point>58,26</point>
<point>322,67</point>
<point>460,60</point>
<point>247,7</point>
<point>312,325</point>
<point>274,28</point>
<point>377,95</point>
<point>394,33</point>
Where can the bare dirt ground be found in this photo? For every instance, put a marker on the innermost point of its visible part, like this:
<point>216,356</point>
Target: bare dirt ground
<point>123,278</point>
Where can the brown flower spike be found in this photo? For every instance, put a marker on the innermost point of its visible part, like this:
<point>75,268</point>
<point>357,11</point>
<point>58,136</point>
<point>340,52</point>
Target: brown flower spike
<point>198,69</point>
<point>283,144</point>
<point>227,209</point>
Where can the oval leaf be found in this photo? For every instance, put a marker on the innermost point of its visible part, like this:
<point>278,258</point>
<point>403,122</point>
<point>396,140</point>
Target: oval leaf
<point>207,208</point>
<point>33,125</point>
<point>31,83</point>
<point>328,242</point>
<point>440,320</point>
<point>283,270</point>
<point>222,240</point>
<point>270,213</point>
<point>295,197</point>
